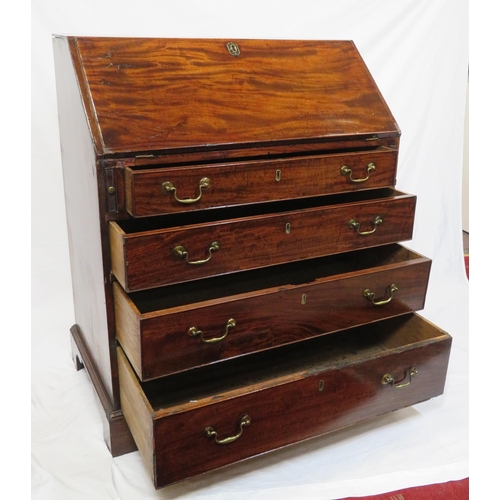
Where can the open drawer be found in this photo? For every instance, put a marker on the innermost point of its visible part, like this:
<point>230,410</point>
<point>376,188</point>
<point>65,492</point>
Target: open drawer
<point>158,251</point>
<point>179,327</point>
<point>156,190</point>
<point>195,421</point>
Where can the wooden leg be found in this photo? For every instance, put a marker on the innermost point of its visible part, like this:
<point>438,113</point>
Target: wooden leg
<point>75,354</point>
<point>116,432</point>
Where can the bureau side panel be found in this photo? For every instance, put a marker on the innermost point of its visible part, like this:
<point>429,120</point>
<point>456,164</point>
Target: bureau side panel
<point>83,220</point>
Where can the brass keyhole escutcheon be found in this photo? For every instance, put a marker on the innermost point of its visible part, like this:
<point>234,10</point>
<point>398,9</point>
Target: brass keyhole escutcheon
<point>277,176</point>
<point>321,385</point>
<point>233,48</point>
<point>303,299</point>
<point>288,228</point>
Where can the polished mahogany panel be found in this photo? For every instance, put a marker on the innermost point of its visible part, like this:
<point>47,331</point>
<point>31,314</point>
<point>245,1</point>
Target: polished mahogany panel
<point>153,191</point>
<point>150,94</point>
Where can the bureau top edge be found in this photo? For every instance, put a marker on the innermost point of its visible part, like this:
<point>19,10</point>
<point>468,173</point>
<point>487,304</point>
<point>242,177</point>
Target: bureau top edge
<point>147,95</point>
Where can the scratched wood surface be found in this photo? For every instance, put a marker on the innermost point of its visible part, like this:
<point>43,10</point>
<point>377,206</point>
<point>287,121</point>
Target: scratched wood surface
<point>171,94</point>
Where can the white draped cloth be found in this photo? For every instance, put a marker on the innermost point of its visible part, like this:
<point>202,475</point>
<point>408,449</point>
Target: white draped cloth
<point>417,52</point>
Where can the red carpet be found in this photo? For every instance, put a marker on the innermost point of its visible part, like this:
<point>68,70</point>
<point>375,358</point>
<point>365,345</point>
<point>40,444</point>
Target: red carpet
<point>453,490</point>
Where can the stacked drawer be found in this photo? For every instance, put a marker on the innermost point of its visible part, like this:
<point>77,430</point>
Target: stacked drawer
<point>248,251</point>
<point>247,323</point>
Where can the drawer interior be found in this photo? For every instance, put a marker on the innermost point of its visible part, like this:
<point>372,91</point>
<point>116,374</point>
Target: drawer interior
<point>282,275</point>
<point>131,226</point>
<point>356,345</point>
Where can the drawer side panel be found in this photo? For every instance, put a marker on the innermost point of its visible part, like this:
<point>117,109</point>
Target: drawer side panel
<point>137,412</point>
<point>117,249</point>
<point>128,327</point>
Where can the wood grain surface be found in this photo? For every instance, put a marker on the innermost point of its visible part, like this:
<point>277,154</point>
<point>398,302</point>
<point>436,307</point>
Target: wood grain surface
<point>257,240</point>
<point>173,94</point>
<point>157,342</point>
<point>240,183</point>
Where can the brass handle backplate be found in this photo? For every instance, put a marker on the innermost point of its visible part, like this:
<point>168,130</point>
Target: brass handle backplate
<point>369,295</point>
<point>389,379</point>
<point>181,253</point>
<point>194,332</point>
<point>204,184</point>
<point>244,422</point>
<point>345,170</point>
<point>354,224</point>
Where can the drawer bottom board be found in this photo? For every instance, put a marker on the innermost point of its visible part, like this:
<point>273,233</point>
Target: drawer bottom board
<point>193,422</point>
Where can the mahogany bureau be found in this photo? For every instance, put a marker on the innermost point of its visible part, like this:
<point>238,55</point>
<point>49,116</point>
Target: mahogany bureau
<point>235,230</point>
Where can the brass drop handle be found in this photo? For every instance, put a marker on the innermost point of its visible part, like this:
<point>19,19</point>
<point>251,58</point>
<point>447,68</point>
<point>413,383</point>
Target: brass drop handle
<point>194,332</point>
<point>354,224</point>
<point>244,422</point>
<point>369,295</point>
<point>181,253</point>
<point>168,187</point>
<point>345,170</point>
<point>389,379</point>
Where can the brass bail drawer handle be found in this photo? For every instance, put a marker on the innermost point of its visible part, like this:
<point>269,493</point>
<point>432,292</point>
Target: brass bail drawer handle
<point>354,224</point>
<point>181,253</point>
<point>244,422</point>
<point>389,379</point>
<point>369,295</point>
<point>194,332</point>
<point>168,187</point>
<point>345,170</point>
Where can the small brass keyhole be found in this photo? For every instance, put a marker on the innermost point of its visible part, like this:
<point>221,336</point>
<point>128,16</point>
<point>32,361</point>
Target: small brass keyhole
<point>303,299</point>
<point>288,228</point>
<point>278,175</point>
<point>321,385</point>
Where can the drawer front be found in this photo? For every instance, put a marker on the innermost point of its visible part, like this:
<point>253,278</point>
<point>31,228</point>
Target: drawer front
<point>161,257</point>
<point>280,413</point>
<point>172,340</point>
<point>181,189</point>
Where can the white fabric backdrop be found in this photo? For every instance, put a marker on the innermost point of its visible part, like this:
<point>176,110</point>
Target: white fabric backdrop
<point>418,55</point>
